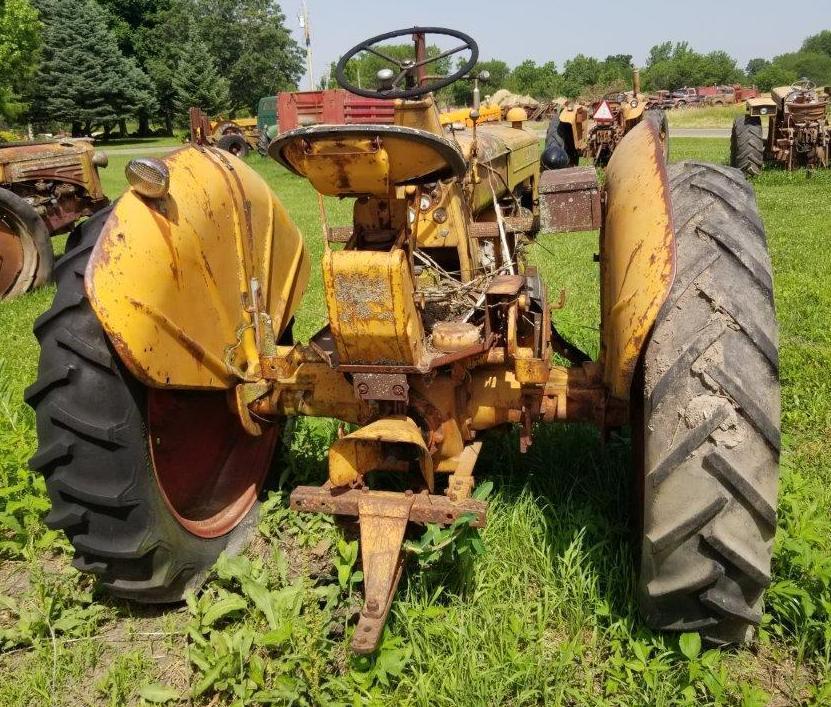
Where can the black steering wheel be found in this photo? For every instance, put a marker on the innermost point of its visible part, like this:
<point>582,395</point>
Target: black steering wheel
<point>401,78</point>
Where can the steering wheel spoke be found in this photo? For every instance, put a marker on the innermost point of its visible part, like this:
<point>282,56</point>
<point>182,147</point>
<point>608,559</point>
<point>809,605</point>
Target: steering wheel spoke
<point>417,86</point>
<point>439,57</point>
<point>383,56</point>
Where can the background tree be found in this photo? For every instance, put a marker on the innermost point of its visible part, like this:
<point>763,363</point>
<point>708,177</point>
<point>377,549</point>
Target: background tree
<point>811,65</point>
<point>19,43</point>
<point>540,82</point>
<point>197,82</point>
<point>158,46</point>
<point>617,67</point>
<point>579,72</point>
<point>672,66</point>
<point>461,92</point>
<point>818,43</point>
<point>252,47</point>
<point>84,79</point>
<point>130,21</point>
<point>773,75</point>
<point>754,66</point>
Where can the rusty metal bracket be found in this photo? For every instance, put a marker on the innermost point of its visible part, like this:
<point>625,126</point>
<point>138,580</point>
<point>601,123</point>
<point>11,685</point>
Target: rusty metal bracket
<point>381,386</point>
<point>460,483</point>
<point>383,520</point>
<point>426,508</point>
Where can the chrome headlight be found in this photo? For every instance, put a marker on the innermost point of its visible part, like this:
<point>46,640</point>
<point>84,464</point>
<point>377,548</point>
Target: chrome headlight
<point>148,177</point>
<point>100,159</point>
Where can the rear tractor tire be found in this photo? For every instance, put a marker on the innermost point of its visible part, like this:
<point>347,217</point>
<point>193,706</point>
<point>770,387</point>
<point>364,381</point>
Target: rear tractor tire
<point>148,485</point>
<point>233,143</point>
<point>26,258</point>
<point>747,148</point>
<point>709,422</point>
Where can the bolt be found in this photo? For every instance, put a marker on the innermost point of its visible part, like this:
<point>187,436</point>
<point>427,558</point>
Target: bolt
<point>363,388</point>
<point>372,605</point>
<point>398,391</point>
<point>408,492</point>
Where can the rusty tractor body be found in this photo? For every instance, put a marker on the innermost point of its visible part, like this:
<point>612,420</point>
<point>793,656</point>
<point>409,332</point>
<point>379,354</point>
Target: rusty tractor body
<point>798,134</point>
<point>45,187</point>
<point>437,331</point>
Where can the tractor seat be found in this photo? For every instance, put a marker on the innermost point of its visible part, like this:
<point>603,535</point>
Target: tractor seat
<point>366,160</point>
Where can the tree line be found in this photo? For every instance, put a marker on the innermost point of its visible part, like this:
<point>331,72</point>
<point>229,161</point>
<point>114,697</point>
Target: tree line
<point>97,64</point>
<point>94,65</point>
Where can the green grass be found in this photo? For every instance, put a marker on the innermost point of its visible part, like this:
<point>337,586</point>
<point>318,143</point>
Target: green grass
<point>545,616</point>
<point>705,117</point>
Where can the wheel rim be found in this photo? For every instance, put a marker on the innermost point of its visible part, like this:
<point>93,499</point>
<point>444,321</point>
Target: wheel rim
<point>11,258</point>
<point>18,256</point>
<point>209,470</point>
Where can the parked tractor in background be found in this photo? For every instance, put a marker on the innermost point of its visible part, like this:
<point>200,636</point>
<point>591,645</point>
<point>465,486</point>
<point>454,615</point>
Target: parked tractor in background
<point>612,118</point>
<point>168,365</point>
<point>237,136</point>
<point>45,187</point>
<point>799,131</point>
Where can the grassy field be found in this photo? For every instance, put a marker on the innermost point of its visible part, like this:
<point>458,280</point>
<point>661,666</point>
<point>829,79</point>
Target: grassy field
<point>707,117</point>
<point>545,616</point>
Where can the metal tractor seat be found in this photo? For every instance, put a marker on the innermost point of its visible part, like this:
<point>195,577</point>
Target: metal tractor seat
<point>367,160</point>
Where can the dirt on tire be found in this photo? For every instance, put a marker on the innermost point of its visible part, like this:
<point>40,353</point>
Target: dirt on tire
<point>710,417</point>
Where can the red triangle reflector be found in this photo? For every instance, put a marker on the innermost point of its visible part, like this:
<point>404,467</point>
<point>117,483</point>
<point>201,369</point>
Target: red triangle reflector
<point>604,113</point>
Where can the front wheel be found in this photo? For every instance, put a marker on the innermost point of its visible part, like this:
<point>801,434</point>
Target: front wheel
<point>26,258</point>
<point>148,485</point>
<point>709,425</point>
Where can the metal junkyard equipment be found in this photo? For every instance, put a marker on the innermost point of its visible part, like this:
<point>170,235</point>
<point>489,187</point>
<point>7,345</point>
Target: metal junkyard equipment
<point>798,135</point>
<point>569,200</point>
<point>45,187</point>
<point>164,383</point>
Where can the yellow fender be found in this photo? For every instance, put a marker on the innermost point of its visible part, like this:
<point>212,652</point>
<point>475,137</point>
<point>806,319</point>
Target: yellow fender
<point>174,280</point>
<point>637,253</point>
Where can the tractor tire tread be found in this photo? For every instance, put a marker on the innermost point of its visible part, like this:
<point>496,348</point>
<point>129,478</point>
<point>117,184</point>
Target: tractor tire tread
<point>94,456</point>
<point>747,147</point>
<point>711,417</point>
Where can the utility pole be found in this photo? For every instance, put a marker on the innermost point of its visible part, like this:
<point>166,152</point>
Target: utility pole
<point>303,19</point>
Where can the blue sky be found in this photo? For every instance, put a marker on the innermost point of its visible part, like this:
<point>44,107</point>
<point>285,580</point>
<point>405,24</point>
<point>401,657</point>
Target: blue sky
<point>546,30</point>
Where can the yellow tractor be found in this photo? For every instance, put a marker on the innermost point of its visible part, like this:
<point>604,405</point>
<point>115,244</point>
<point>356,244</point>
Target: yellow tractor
<point>595,134</point>
<point>168,365</point>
